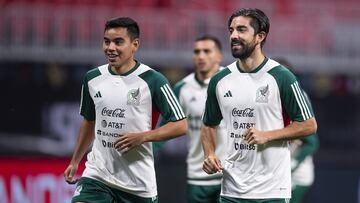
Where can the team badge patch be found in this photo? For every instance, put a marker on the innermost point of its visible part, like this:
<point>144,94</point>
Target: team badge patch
<point>262,94</point>
<point>133,97</point>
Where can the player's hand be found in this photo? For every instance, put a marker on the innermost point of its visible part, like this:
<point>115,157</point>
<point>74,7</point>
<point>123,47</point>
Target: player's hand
<point>69,174</point>
<point>212,165</point>
<point>254,136</point>
<point>128,141</point>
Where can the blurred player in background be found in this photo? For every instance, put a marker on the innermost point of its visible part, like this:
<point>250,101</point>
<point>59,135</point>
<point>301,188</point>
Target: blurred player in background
<point>191,92</point>
<point>302,165</point>
<point>251,95</point>
<point>118,102</point>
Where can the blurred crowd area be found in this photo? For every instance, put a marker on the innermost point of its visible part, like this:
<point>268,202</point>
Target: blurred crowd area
<point>308,32</point>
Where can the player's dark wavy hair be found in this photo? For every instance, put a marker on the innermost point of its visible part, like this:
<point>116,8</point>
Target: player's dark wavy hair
<point>259,20</point>
<point>125,22</point>
<point>211,38</point>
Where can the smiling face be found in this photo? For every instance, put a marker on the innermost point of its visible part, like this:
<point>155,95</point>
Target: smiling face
<point>118,47</point>
<point>243,39</point>
<point>206,56</point>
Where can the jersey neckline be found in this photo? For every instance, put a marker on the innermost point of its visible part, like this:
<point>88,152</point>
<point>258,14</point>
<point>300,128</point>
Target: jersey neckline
<point>137,64</point>
<point>256,69</point>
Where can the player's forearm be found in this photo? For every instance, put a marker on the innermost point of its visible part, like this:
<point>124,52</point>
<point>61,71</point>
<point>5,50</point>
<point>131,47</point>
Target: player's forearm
<point>294,130</point>
<point>208,140</point>
<point>168,131</point>
<point>85,137</point>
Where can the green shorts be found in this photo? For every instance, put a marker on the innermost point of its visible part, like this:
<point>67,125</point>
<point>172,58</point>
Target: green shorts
<point>298,193</point>
<point>92,191</point>
<point>203,194</point>
<point>224,199</point>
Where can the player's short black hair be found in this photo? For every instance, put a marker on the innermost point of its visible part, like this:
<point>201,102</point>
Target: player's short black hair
<point>125,22</point>
<point>211,38</point>
<point>259,20</point>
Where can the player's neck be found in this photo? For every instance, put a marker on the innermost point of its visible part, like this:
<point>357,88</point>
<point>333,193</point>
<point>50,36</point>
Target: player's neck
<point>252,62</point>
<point>201,76</point>
<point>124,68</point>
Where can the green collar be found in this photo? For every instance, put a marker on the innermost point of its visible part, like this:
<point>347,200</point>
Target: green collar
<point>256,69</point>
<point>201,83</point>
<point>127,73</point>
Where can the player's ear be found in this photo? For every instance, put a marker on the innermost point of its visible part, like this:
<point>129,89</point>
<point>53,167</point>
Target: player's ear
<point>261,36</point>
<point>135,44</point>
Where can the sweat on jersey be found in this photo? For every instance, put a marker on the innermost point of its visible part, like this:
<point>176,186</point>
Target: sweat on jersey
<point>125,104</point>
<point>256,99</point>
<point>192,96</point>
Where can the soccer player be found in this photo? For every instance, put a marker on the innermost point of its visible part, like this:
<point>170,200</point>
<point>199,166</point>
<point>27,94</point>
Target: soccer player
<point>191,91</point>
<point>302,165</point>
<point>118,102</point>
<point>253,95</point>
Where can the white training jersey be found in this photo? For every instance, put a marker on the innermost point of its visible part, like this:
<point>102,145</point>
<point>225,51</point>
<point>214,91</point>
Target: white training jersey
<point>125,104</point>
<point>302,165</point>
<point>304,174</point>
<point>256,99</point>
<point>192,97</point>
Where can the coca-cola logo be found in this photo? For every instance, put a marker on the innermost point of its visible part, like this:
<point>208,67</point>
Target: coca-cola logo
<point>247,112</point>
<point>119,113</point>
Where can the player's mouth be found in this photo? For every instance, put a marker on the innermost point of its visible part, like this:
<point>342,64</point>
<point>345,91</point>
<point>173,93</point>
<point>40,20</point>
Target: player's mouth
<point>235,44</point>
<point>112,57</point>
<point>201,64</point>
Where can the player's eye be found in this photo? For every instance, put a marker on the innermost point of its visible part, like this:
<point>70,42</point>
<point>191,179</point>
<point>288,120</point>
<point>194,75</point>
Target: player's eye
<point>106,41</point>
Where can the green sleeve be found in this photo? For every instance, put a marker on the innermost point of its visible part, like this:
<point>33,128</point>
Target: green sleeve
<point>87,106</point>
<point>212,115</point>
<point>162,95</point>
<point>157,146</point>
<point>176,90</point>
<point>309,146</point>
<point>296,105</point>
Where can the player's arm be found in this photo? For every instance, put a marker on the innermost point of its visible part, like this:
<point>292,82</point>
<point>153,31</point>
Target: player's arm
<point>168,131</point>
<point>308,146</point>
<point>211,163</point>
<point>85,137</point>
<point>211,119</point>
<point>168,105</point>
<point>296,105</point>
<point>293,131</point>
<point>158,145</point>
<point>86,132</point>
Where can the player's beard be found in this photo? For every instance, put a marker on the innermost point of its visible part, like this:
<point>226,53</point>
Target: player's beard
<point>245,51</point>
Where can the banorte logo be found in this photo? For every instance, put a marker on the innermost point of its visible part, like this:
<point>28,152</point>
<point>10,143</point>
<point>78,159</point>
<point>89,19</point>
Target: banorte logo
<point>247,112</point>
<point>119,113</point>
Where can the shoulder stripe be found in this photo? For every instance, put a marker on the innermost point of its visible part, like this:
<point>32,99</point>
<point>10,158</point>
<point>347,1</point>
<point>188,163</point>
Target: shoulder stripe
<point>81,97</point>
<point>297,96</point>
<point>175,107</point>
<point>176,101</point>
<point>306,107</point>
<point>305,112</point>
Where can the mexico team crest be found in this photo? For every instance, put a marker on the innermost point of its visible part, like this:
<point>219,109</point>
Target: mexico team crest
<point>262,94</point>
<point>133,97</point>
